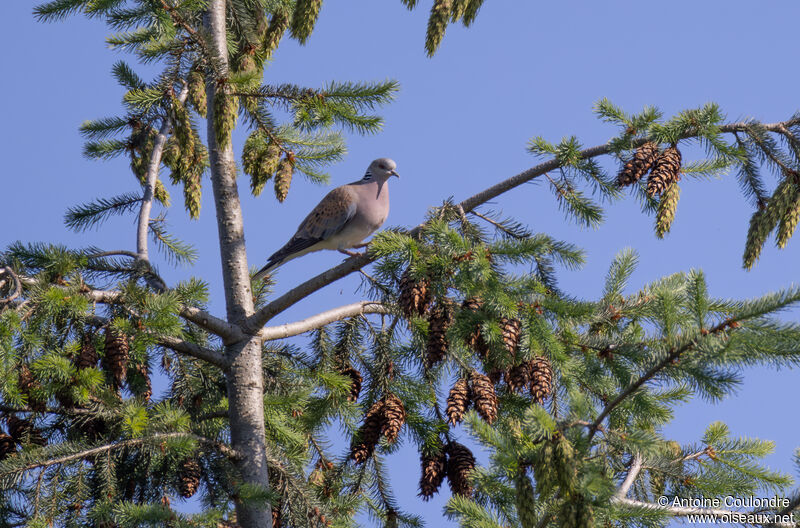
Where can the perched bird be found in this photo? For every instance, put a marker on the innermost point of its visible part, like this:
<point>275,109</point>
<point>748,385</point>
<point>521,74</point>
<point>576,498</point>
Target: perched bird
<point>343,219</point>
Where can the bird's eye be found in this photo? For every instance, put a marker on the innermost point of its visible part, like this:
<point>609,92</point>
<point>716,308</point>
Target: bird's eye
<point>383,166</point>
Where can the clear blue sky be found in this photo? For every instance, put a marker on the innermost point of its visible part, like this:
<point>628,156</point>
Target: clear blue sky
<point>460,123</point>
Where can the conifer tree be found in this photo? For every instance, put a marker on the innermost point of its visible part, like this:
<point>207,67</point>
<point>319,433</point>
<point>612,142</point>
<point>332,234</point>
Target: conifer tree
<point>569,396</point>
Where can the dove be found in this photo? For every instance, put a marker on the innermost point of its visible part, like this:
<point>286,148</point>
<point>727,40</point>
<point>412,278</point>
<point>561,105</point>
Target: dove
<point>342,219</point>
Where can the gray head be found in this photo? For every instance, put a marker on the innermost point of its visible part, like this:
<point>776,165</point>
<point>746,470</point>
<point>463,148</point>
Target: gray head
<point>381,170</point>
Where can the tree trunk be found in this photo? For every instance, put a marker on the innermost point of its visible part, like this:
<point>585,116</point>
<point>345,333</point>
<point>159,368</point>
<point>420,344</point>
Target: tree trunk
<point>244,377</point>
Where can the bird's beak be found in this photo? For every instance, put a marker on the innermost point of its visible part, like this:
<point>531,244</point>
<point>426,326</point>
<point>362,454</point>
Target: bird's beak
<point>394,173</point>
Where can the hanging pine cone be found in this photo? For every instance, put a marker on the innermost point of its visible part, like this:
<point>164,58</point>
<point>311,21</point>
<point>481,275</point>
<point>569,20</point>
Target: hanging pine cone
<point>511,331</point>
<point>7,446</point>
<point>665,171</point>
<point>415,296</point>
<point>23,432</point>
<point>87,357</point>
<point>495,375</point>
<point>27,385</point>
<point>144,371</point>
<point>475,340</point>
<point>283,178</point>
<point>116,356</point>
<point>394,417</point>
<point>642,161</point>
<point>368,435</point>
<point>460,464</point>
<point>541,379</point>
<point>189,475</point>
<point>355,383</point>
<point>440,320</point>
<point>483,396</point>
<point>434,469</point>
<point>458,401</point>
<point>518,377</point>
<point>276,516</point>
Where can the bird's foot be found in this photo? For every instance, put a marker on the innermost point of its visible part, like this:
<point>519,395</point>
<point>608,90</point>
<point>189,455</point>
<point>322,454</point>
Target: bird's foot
<point>350,253</point>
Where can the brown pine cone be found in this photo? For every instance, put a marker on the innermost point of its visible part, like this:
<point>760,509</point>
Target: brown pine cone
<point>475,340</point>
<point>23,432</point>
<point>642,161</point>
<point>276,516</point>
<point>483,396</point>
<point>440,320</point>
<point>189,474</point>
<point>518,377</point>
<point>415,296</point>
<point>117,349</point>
<point>355,384</point>
<point>87,357</point>
<point>144,370</point>
<point>495,375</point>
<point>511,332</point>
<point>7,446</point>
<point>665,172</point>
<point>368,434</point>
<point>460,464</point>
<point>541,379</point>
<point>394,417</point>
<point>434,469</point>
<point>458,401</point>
<point>27,384</point>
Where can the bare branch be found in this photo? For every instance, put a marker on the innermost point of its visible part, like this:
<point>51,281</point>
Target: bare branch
<point>684,511</point>
<point>633,472</point>
<point>17,291</point>
<point>321,319</point>
<point>194,350</point>
<point>150,181</point>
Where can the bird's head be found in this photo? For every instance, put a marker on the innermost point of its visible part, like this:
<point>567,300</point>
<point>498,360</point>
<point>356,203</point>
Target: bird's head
<point>382,169</point>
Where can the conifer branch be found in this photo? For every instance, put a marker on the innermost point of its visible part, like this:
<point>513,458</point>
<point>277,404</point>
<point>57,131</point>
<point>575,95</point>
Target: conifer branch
<point>227,451</point>
<point>321,319</point>
<point>353,264</point>
<point>150,180</point>
<point>654,370</point>
<point>684,511</point>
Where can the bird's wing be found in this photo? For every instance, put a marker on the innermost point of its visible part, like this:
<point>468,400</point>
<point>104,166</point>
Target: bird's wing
<point>324,221</point>
<point>330,215</point>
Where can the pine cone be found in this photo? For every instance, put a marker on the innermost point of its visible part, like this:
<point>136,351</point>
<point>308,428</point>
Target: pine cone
<point>7,446</point>
<point>437,23</point>
<point>144,371</point>
<point>483,396</point>
<point>368,435</point>
<point>475,340</point>
<point>278,25</point>
<point>440,320</point>
<point>458,401</point>
<point>460,464</point>
<point>525,500</point>
<point>495,375</point>
<point>666,209</point>
<point>305,16</point>
<point>355,384</point>
<point>283,179</point>
<point>642,161</point>
<point>434,469</point>
<point>518,377</point>
<point>665,171</point>
<point>87,357</point>
<point>189,475</point>
<point>23,432</point>
<point>276,516</point>
<point>415,296</point>
<point>511,331</point>
<point>541,379</point>
<point>116,356</point>
<point>394,417</point>
<point>27,384</point>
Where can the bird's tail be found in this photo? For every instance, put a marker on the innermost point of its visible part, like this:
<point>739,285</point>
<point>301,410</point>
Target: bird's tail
<point>266,270</point>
